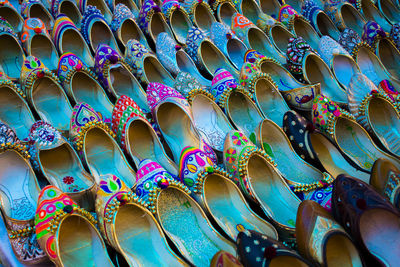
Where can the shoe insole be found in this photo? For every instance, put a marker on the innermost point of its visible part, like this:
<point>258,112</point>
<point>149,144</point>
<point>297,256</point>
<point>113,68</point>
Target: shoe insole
<point>270,7</point>
<point>80,244</point>
<point>352,18</point>
<point>270,101</point>
<point>155,72</point>
<point>143,241</point>
<point>390,10</point>
<point>244,113</point>
<point>15,112</point>
<point>226,11</point>
<point>370,12</point>
<point>332,160</point>
<point>188,227</point>
<point>203,17</point>
<point>236,51</point>
<point>291,166</point>
<point>340,251</point>
<point>274,195</point>
<point>280,76</point>
<point>250,10</point>
<point>389,56</point>
<point>104,157</point>
<point>71,11</point>
<point>129,30</point>
<point>158,25</point>
<point>11,56</point>
<point>38,11</point>
<point>304,29</point>
<point>380,232</point>
<point>73,42</point>
<point>18,190</point>
<point>213,58</point>
<point>344,68</point>
<point>386,124</point>
<point>61,166</point>
<point>43,49</point>
<point>124,83</point>
<point>210,121</point>
<point>180,24</point>
<point>100,33</point>
<point>177,128</point>
<point>51,103</point>
<point>281,36</point>
<point>326,26</point>
<point>12,17</point>
<point>287,261</point>
<point>260,42</point>
<point>357,144</point>
<point>230,210</point>
<point>370,67</point>
<point>88,90</point>
<point>186,64</point>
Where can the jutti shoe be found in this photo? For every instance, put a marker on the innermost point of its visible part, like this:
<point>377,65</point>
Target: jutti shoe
<point>36,41</point>
<point>12,55</point>
<point>372,32</point>
<point>369,218</point>
<point>68,38</point>
<point>341,127</point>
<point>136,135</point>
<point>14,108</point>
<point>254,38</point>
<point>385,180</point>
<point>142,242</point>
<point>200,13</point>
<point>37,9</point>
<point>255,174</point>
<point>69,8</point>
<point>152,21</point>
<point>175,59</point>
<point>226,41</point>
<point>206,54</point>
<point>389,55</point>
<point>208,118</point>
<point>177,18</point>
<point>81,85</point>
<point>375,111</point>
<point>389,10</point>
<point>115,75</point>
<point>170,202</point>
<point>297,94</point>
<point>288,13</point>
<point>305,180</point>
<point>296,50</point>
<point>345,15</point>
<point>279,36</point>
<point>45,93</point>
<point>322,240</point>
<point>339,60</point>
<point>96,145</point>
<point>19,191</point>
<point>372,13</point>
<point>264,91</point>
<point>96,31</point>
<point>223,10</point>
<point>67,172</point>
<point>100,5</point>
<point>125,27</point>
<point>255,248</point>
<point>66,232</point>
<point>168,107</point>
<point>210,185</point>
<point>10,13</point>
<point>271,7</point>
<point>146,66</point>
<point>303,28</point>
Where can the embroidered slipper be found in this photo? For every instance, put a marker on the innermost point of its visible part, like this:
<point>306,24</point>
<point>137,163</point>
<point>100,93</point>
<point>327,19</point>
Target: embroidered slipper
<point>44,91</point>
<point>350,40</point>
<point>338,59</point>
<point>249,9</point>
<point>37,9</point>
<point>200,13</point>
<point>177,18</point>
<point>10,13</point>
<point>255,174</point>
<point>141,243</point>
<point>68,8</point>
<point>375,112</point>
<point>279,36</point>
<point>341,127</point>
<point>81,85</point>
<point>36,41</point>
<point>345,15</point>
<point>372,13</point>
<point>271,7</point>
<point>97,147</point>
<point>67,232</point>
<point>208,118</point>
<point>206,54</point>
<point>124,26</point>
<point>264,91</point>
<point>287,14</point>
<point>12,55</point>
<point>389,10</point>
<point>100,5</point>
<point>175,59</point>
<point>169,200</point>
<point>57,160</point>
<point>303,28</point>
<point>67,38</point>
<point>96,31</point>
<point>223,10</point>
<point>19,191</point>
<point>226,41</point>
<point>212,187</point>
<point>152,22</point>
<point>304,179</point>
<point>389,55</point>
<point>372,32</point>
<point>254,38</point>
<point>136,135</point>
<point>169,107</point>
<point>14,109</point>
<point>146,66</point>
<point>116,76</point>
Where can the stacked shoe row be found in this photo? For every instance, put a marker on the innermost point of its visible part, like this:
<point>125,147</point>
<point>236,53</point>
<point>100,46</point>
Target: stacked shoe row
<point>225,133</point>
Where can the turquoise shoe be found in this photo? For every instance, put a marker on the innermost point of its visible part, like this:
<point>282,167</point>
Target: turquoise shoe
<point>37,9</point>
<point>68,8</point>
<point>178,19</point>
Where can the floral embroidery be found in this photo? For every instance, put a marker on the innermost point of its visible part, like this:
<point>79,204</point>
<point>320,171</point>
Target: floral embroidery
<point>231,155</point>
<point>68,180</point>
<point>239,139</point>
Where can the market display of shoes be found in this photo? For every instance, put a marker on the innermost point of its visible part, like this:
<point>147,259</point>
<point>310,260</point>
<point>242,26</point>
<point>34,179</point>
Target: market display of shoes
<point>200,133</point>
